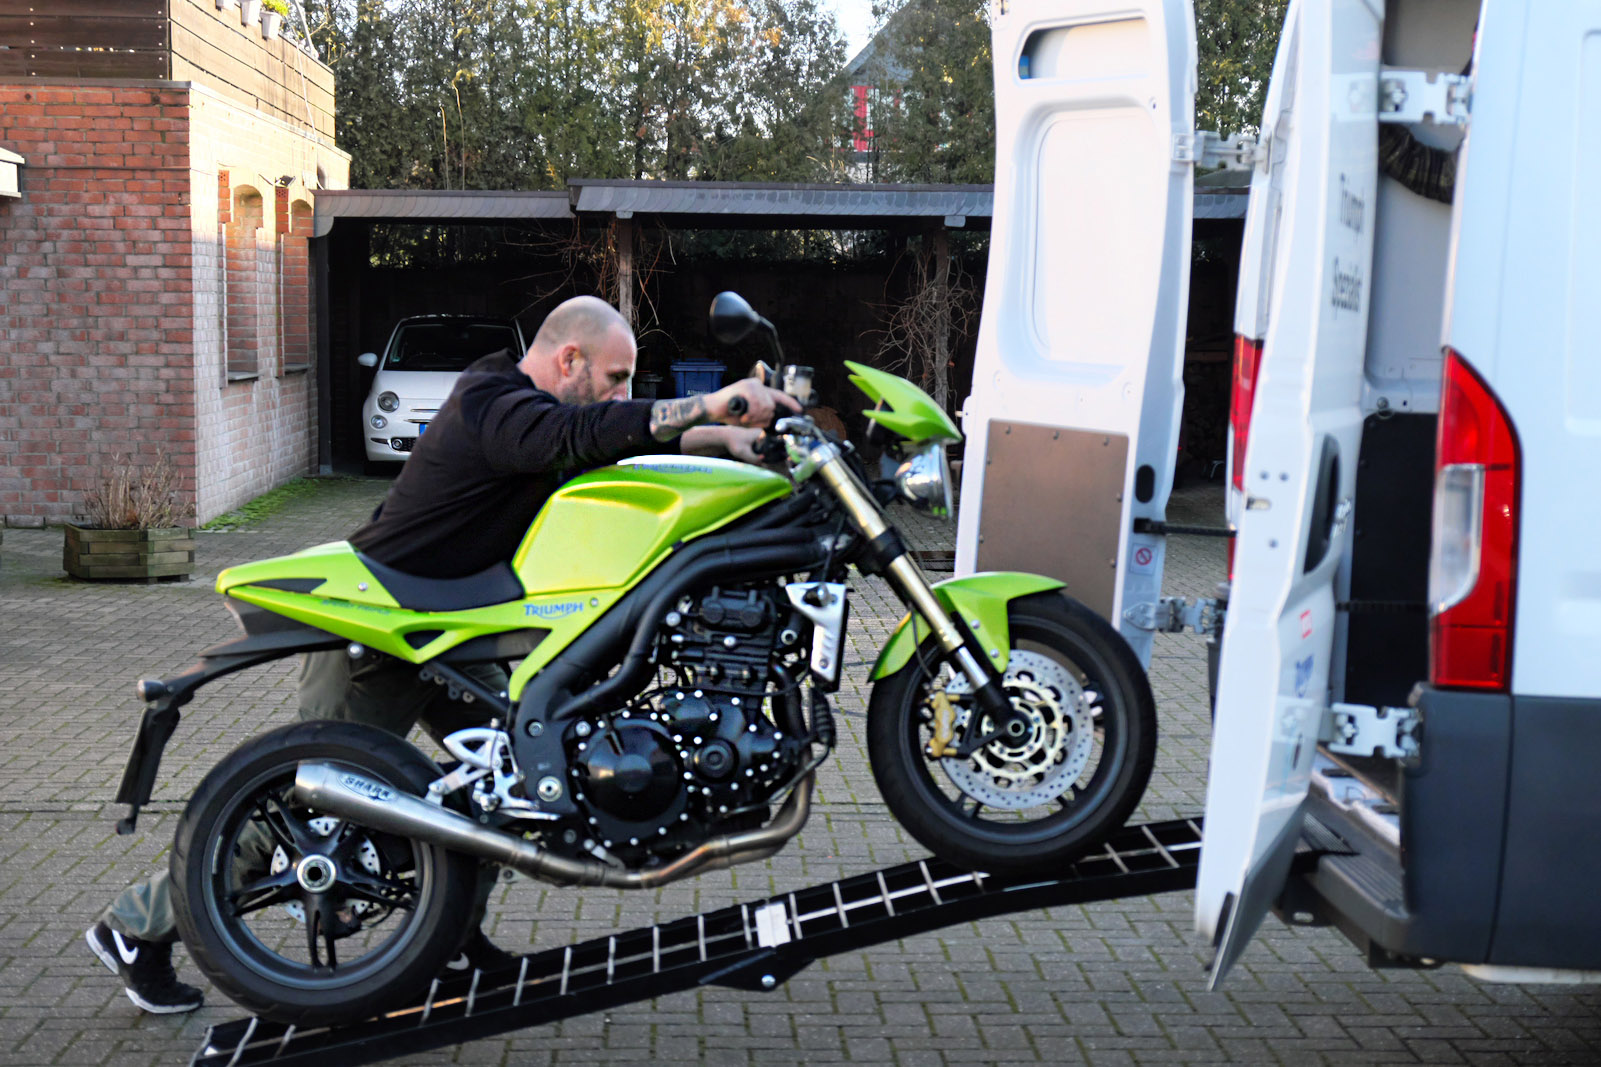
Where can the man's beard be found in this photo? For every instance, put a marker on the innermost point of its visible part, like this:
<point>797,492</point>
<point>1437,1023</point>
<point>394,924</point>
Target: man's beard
<point>579,392</point>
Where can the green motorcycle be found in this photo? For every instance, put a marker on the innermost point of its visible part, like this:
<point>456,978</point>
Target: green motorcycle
<point>671,628</point>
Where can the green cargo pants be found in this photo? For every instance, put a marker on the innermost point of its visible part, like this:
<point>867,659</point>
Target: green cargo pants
<point>376,690</point>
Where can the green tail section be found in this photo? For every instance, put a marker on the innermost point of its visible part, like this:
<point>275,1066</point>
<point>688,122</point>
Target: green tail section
<point>596,538</point>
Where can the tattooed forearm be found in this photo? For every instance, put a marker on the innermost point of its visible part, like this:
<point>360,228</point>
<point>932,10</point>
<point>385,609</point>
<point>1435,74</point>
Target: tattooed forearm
<point>669,418</point>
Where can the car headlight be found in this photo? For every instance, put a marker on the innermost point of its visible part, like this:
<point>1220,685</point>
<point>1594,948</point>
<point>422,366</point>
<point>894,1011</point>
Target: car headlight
<point>378,422</point>
<point>388,401</point>
<point>924,479</point>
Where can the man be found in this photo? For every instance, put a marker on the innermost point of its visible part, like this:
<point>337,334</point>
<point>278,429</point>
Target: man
<point>509,435</point>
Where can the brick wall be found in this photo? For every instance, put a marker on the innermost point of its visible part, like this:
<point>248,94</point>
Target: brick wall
<point>256,401</point>
<point>96,282</point>
<point>116,315</point>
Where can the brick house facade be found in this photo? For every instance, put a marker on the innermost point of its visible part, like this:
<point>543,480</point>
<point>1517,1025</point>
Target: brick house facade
<point>154,275</point>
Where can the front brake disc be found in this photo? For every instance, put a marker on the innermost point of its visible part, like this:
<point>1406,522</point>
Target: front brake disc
<point>1049,759</point>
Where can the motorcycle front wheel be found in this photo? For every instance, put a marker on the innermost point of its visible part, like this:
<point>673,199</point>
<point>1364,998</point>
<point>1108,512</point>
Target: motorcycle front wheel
<point>1025,805</point>
<point>307,919</point>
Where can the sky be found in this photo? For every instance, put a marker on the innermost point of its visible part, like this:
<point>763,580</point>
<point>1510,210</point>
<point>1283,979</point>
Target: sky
<point>855,22</point>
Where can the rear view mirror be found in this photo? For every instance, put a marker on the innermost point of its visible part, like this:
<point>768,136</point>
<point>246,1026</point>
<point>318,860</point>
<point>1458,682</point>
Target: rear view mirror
<point>732,319</point>
<point>368,359</point>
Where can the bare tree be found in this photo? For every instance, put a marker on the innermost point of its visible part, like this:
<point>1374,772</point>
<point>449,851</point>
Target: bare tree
<point>594,261</point>
<point>940,307</point>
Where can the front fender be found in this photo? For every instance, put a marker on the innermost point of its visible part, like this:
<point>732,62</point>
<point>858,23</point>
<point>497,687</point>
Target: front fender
<point>981,600</point>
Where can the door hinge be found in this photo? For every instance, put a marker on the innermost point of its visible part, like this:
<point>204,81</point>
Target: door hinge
<point>1207,150</point>
<point>1363,730</point>
<point>1175,614</point>
<point>1417,95</point>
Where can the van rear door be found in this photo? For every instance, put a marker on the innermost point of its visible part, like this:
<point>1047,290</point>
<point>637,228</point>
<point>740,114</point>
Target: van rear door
<point>1299,469</point>
<point>1073,419</point>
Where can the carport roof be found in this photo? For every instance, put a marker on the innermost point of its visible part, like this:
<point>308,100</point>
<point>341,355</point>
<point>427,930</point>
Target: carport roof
<point>783,204</point>
<point>435,205</point>
<point>735,205</point>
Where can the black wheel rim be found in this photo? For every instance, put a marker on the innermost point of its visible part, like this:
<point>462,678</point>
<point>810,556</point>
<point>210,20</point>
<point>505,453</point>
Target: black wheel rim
<point>354,920</point>
<point>961,813</point>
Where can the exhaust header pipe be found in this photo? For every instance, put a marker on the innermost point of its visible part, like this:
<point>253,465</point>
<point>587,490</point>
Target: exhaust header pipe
<point>349,795</point>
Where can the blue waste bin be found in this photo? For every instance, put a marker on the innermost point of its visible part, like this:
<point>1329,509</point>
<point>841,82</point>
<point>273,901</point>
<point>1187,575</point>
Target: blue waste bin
<point>693,377</point>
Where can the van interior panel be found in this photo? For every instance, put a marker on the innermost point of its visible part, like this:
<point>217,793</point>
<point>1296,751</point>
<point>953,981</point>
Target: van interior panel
<point>1387,644</point>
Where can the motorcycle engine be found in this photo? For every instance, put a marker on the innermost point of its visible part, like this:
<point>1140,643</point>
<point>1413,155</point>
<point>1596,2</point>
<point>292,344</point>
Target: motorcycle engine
<point>659,777</point>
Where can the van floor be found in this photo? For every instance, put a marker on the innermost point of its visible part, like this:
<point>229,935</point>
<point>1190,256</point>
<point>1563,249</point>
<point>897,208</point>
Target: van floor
<point>1383,775</point>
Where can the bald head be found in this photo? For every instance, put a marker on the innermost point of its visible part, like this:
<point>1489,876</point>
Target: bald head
<point>584,352</point>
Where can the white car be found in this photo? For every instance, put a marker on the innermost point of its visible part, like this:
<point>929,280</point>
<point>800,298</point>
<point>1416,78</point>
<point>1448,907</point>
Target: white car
<point>424,357</point>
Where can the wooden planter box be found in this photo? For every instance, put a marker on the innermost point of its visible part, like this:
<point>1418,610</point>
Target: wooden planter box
<point>149,554</point>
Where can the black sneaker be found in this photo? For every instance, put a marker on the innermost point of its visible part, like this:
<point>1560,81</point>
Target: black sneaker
<point>481,954</point>
<point>145,968</point>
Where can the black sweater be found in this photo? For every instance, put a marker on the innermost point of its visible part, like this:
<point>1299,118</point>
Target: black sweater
<point>497,450</point>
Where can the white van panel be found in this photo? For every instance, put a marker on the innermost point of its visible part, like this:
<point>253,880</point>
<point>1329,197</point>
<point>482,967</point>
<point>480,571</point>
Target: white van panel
<point>1264,217</point>
<point>1077,383</point>
<point>1524,288</point>
<point>1409,270</point>
<point>1085,313</point>
<point>1301,462</point>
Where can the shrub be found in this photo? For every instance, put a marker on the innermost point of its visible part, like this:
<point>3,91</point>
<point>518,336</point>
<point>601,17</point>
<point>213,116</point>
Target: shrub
<point>136,497</point>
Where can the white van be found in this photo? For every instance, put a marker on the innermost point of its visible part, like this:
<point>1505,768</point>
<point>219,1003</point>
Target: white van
<point>1408,698</point>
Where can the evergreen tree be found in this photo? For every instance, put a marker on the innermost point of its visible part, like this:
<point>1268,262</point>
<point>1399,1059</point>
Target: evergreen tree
<point>1236,41</point>
<point>933,101</point>
<point>359,40</point>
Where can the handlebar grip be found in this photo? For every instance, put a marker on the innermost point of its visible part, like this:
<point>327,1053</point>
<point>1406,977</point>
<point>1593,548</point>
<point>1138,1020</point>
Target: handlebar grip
<point>738,405</point>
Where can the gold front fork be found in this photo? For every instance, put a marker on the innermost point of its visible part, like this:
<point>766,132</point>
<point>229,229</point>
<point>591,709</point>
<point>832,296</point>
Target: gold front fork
<point>904,573</point>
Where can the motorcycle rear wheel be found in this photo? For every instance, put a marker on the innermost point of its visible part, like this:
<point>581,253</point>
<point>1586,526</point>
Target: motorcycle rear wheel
<point>1030,807</point>
<point>392,911</point>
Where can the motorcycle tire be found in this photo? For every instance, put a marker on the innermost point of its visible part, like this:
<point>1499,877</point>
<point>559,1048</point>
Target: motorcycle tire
<point>255,930</point>
<point>1054,796</point>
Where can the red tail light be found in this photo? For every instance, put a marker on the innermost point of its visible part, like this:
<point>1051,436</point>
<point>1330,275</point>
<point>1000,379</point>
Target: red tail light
<point>1473,548</point>
<point>1247,362</point>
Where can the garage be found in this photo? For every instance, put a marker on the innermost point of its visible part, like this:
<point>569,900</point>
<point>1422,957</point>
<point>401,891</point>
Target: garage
<point>873,273</point>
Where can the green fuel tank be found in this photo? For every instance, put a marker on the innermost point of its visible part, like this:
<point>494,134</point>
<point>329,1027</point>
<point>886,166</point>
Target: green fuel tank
<point>604,529</point>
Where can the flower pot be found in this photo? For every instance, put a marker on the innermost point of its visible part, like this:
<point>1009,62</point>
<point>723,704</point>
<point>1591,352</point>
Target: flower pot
<point>227,5</point>
<point>271,24</point>
<point>250,12</point>
<point>92,553</point>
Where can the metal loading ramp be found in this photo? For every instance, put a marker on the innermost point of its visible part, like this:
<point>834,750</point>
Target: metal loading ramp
<point>748,946</point>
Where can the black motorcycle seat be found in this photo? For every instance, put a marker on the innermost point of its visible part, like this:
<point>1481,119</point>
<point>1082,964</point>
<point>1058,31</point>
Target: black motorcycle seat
<point>497,585</point>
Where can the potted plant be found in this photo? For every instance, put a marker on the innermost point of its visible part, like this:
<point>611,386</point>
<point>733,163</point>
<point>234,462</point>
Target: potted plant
<point>250,12</point>
<point>273,12</point>
<point>134,528</point>
<point>227,5</point>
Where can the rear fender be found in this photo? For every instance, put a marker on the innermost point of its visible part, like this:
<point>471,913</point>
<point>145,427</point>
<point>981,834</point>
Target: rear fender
<point>980,600</point>
<point>266,639</point>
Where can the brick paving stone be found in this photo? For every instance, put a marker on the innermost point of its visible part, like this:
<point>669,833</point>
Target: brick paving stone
<point>1120,982</point>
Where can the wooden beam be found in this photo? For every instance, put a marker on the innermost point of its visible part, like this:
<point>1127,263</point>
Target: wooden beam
<point>86,8</point>
<point>940,275</point>
<point>220,54</point>
<point>624,231</point>
<point>50,63</point>
<point>136,32</point>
